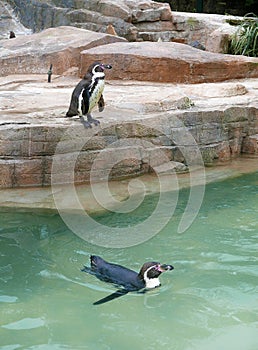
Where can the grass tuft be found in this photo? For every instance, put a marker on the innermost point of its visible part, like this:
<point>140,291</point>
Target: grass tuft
<point>245,40</point>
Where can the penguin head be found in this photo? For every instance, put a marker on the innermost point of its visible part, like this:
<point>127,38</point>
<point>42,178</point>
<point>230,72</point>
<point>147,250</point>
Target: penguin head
<point>98,67</point>
<point>150,272</point>
<point>105,66</point>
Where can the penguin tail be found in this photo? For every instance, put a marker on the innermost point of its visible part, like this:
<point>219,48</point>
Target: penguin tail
<point>70,114</point>
<point>119,293</point>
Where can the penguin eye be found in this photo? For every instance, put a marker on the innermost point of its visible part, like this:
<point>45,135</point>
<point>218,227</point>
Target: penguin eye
<point>153,272</point>
<point>98,68</point>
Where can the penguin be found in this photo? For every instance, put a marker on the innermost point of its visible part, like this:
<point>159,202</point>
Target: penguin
<point>87,93</point>
<point>127,280</point>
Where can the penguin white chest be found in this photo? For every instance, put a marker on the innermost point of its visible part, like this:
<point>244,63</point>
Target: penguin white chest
<point>96,93</point>
<point>150,282</point>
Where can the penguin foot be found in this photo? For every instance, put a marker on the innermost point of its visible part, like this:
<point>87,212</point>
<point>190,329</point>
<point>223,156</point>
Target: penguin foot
<point>95,121</point>
<point>85,123</point>
<point>91,120</point>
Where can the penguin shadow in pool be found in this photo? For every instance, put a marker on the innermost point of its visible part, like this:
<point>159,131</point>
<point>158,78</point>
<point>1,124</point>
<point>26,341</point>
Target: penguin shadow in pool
<point>125,279</point>
<point>88,93</point>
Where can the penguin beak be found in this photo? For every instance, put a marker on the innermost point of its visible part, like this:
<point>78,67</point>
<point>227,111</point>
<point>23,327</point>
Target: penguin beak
<point>165,267</point>
<point>106,66</point>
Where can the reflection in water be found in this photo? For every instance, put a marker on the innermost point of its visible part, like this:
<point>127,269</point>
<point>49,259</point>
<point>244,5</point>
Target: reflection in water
<point>208,302</point>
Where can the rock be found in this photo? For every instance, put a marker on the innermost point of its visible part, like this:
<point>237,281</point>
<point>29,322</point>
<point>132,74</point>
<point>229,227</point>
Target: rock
<point>131,19</point>
<point>197,45</point>
<point>152,15</point>
<point>160,61</point>
<point>250,145</point>
<point>111,30</point>
<point>73,71</point>
<point>169,62</point>
<point>60,46</point>
<point>171,167</point>
<point>215,90</point>
<point>141,129</point>
<point>92,15</point>
<point>210,30</point>
<point>9,23</point>
<point>160,27</point>
<point>7,173</point>
<point>95,21</point>
<point>111,8</point>
<point>219,40</point>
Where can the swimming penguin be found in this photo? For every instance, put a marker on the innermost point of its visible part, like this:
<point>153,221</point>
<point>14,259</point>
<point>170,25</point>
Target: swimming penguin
<point>88,93</point>
<point>147,278</point>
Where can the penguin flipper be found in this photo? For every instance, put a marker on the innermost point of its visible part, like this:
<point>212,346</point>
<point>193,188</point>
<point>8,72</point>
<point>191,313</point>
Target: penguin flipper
<point>89,270</point>
<point>72,111</point>
<point>101,104</point>
<point>83,85</point>
<point>119,293</point>
<point>73,108</point>
<point>86,101</point>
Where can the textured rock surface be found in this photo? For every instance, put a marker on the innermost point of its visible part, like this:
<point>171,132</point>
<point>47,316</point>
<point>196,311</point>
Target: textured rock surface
<point>71,49</point>
<point>135,20</point>
<point>190,27</point>
<point>169,62</point>
<point>218,41</point>
<point>250,144</point>
<point>59,46</point>
<point>42,197</point>
<point>92,15</point>
<point>141,122</point>
<point>9,22</point>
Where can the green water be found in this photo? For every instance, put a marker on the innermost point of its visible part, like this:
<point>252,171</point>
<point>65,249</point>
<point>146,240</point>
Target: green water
<point>210,300</point>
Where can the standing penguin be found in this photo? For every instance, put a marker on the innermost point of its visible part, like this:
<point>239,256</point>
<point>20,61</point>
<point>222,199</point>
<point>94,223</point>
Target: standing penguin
<point>88,93</point>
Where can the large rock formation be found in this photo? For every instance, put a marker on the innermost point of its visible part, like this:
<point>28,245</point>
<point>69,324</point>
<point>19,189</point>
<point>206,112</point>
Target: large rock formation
<point>60,46</point>
<point>144,126</point>
<point>9,22</point>
<point>93,15</point>
<point>69,47</point>
<point>170,62</point>
<point>135,20</point>
<point>141,121</point>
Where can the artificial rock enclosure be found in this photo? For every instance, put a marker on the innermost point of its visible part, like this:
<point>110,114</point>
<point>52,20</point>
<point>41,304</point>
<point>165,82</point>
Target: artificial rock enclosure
<point>162,95</point>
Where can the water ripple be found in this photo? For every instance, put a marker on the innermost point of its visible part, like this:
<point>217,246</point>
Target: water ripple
<point>25,323</point>
<point>8,299</point>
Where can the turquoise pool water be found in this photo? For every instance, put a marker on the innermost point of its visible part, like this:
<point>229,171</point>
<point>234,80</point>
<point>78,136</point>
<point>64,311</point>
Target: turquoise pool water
<point>210,300</point>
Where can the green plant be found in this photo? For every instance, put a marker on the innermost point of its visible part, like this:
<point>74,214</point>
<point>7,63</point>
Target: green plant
<point>245,40</point>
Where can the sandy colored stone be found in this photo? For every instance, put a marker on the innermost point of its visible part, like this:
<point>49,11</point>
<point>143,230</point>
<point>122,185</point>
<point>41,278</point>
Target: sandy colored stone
<point>9,22</point>
<point>128,18</point>
<point>169,62</point>
<point>6,173</point>
<point>250,145</point>
<point>92,15</point>
<point>144,123</point>
<point>111,30</point>
<point>218,41</point>
<point>42,197</point>
<point>60,46</point>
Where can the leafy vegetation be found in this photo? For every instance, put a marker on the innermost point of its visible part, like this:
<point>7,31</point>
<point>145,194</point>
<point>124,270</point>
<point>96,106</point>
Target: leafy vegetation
<point>245,40</point>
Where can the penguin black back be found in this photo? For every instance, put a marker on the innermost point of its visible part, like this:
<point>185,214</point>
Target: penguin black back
<point>127,279</point>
